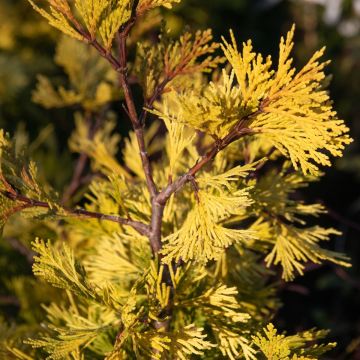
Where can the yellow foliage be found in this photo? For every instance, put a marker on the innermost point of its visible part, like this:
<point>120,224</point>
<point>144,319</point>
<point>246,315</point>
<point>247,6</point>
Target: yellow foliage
<point>120,266</point>
<point>59,267</point>
<point>58,16</point>
<point>294,246</point>
<point>91,12</point>
<point>175,61</point>
<point>174,263</point>
<point>290,109</point>
<point>178,139</point>
<point>215,109</point>
<point>252,72</point>
<point>190,340</point>
<point>91,79</point>
<point>49,97</point>
<point>101,149</point>
<point>100,16</point>
<point>116,16</point>
<point>272,195</point>
<point>280,347</point>
<point>181,56</point>
<point>200,237</point>
<point>145,5</point>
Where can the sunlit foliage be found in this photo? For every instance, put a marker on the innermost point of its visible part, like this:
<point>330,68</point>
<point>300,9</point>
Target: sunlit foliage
<point>172,252</point>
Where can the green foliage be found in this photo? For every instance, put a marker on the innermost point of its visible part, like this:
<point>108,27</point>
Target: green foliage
<point>171,254</point>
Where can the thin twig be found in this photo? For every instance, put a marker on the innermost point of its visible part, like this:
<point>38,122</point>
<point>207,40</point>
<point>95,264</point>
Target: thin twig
<point>78,175</point>
<point>160,88</point>
<point>159,202</point>
<point>78,170</point>
<point>236,133</point>
<point>158,199</point>
<point>76,179</point>
<point>9,300</point>
<point>140,227</point>
<point>120,66</point>
<point>131,110</point>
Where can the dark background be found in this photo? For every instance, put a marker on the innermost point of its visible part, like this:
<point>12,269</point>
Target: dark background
<point>327,296</point>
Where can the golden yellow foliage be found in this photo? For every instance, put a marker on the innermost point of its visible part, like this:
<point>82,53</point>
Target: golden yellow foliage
<point>169,255</point>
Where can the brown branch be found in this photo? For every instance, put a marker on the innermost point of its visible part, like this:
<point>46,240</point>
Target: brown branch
<point>159,202</point>
<point>342,219</point>
<point>236,133</point>
<point>159,90</point>
<point>9,300</point>
<point>78,175</point>
<point>156,223</point>
<point>120,66</point>
<point>76,179</point>
<point>158,199</point>
<point>136,123</point>
<point>140,227</point>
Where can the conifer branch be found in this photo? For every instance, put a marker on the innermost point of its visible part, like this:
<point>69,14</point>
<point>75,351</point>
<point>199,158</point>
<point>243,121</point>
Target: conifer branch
<point>238,131</point>
<point>156,222</point>
<point>160,88</point>
<point>161,199</point>
<point>129,99</point>
<point>120,66</point>
<point>27,203</point>
<point>242,218</point>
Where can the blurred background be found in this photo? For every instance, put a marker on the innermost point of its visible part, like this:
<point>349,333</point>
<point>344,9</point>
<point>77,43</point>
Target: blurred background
<point>327,296</point>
